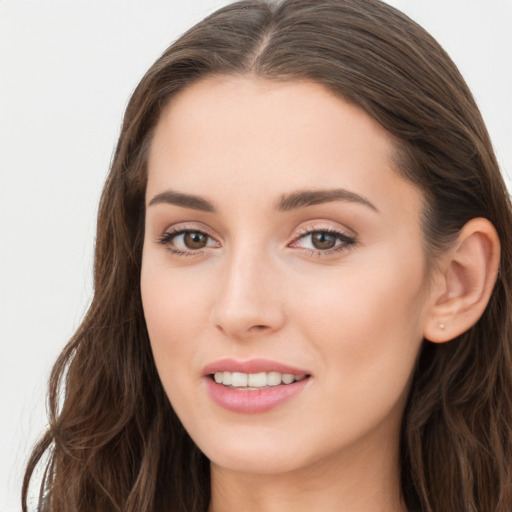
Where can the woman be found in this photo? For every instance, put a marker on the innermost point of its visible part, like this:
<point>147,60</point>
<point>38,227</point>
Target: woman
<point>302,281</point>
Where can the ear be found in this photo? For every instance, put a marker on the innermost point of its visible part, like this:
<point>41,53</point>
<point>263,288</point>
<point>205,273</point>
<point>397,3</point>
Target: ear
<point>463,282</point>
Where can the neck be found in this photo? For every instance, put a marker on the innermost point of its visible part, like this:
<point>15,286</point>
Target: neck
<point>359,480</point>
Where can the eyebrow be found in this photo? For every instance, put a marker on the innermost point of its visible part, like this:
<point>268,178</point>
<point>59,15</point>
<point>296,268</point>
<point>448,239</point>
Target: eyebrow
<point>184,200</point>
<point>293,201</point>
<point>305,198</point>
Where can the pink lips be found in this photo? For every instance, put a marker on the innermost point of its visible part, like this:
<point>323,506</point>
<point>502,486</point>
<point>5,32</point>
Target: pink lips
<point>252,366</point>
<point>250,401</point>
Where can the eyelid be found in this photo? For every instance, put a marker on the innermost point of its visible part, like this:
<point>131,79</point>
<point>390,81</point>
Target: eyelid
<point>178,229</point>
<point>348,240</point>
<point>325,226</point>
<point>189,226</point>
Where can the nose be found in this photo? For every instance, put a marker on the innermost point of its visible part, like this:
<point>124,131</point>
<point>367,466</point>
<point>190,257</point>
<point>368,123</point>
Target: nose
<point>249,301</point>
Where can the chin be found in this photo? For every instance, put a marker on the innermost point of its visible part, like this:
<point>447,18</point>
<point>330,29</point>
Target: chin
<point>256,462</point>
<point>260,450</point>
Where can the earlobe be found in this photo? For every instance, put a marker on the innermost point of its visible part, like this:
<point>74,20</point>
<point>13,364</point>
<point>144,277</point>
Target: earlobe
<point>464,282</point>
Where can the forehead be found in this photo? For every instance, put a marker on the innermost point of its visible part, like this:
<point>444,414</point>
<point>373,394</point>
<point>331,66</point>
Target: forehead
<point>255,135</point>
<point>251,110</point>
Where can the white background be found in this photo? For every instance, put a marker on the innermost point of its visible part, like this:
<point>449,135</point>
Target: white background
<point>67,69</point>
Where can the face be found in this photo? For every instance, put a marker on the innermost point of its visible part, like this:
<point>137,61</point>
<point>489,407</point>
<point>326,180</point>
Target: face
<point>283,278</point>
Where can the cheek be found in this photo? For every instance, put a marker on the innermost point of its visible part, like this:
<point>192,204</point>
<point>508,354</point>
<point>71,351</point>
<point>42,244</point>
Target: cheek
<point>362,301</point>
<point>366,324</point>
<point>174,318</point>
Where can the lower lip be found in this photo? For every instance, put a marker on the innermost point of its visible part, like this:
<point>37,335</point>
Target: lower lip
<point>250,401</point>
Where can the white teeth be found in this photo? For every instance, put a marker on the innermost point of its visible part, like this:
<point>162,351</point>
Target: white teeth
<point>255,380</point>
<point>238,380</point>
<point>287,378</point>
<point>273,378</point>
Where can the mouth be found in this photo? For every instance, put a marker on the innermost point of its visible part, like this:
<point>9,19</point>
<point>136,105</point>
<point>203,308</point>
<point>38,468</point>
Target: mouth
<point>253,386</point>
<point>255,381</point>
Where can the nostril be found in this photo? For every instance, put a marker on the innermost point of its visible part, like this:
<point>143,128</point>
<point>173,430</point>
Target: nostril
<point>258,327</point>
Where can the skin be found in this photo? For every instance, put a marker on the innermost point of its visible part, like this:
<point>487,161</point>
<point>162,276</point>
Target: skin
<point>353,318</point>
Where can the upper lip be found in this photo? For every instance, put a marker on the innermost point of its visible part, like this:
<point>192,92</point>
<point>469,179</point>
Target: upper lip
<point>251,366</point>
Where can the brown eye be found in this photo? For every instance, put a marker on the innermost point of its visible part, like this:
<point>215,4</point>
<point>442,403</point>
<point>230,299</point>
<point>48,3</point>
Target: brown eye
<point>195,239</point>
<point>322,240</point>
<point>187,241</point>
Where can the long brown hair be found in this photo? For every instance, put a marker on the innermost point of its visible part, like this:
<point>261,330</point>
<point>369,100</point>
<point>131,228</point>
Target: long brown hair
<point>114,442</point>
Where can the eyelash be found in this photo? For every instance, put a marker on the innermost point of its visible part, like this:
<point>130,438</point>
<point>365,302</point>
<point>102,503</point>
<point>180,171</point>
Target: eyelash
<point>347,242</point>
<point>169,236</point>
